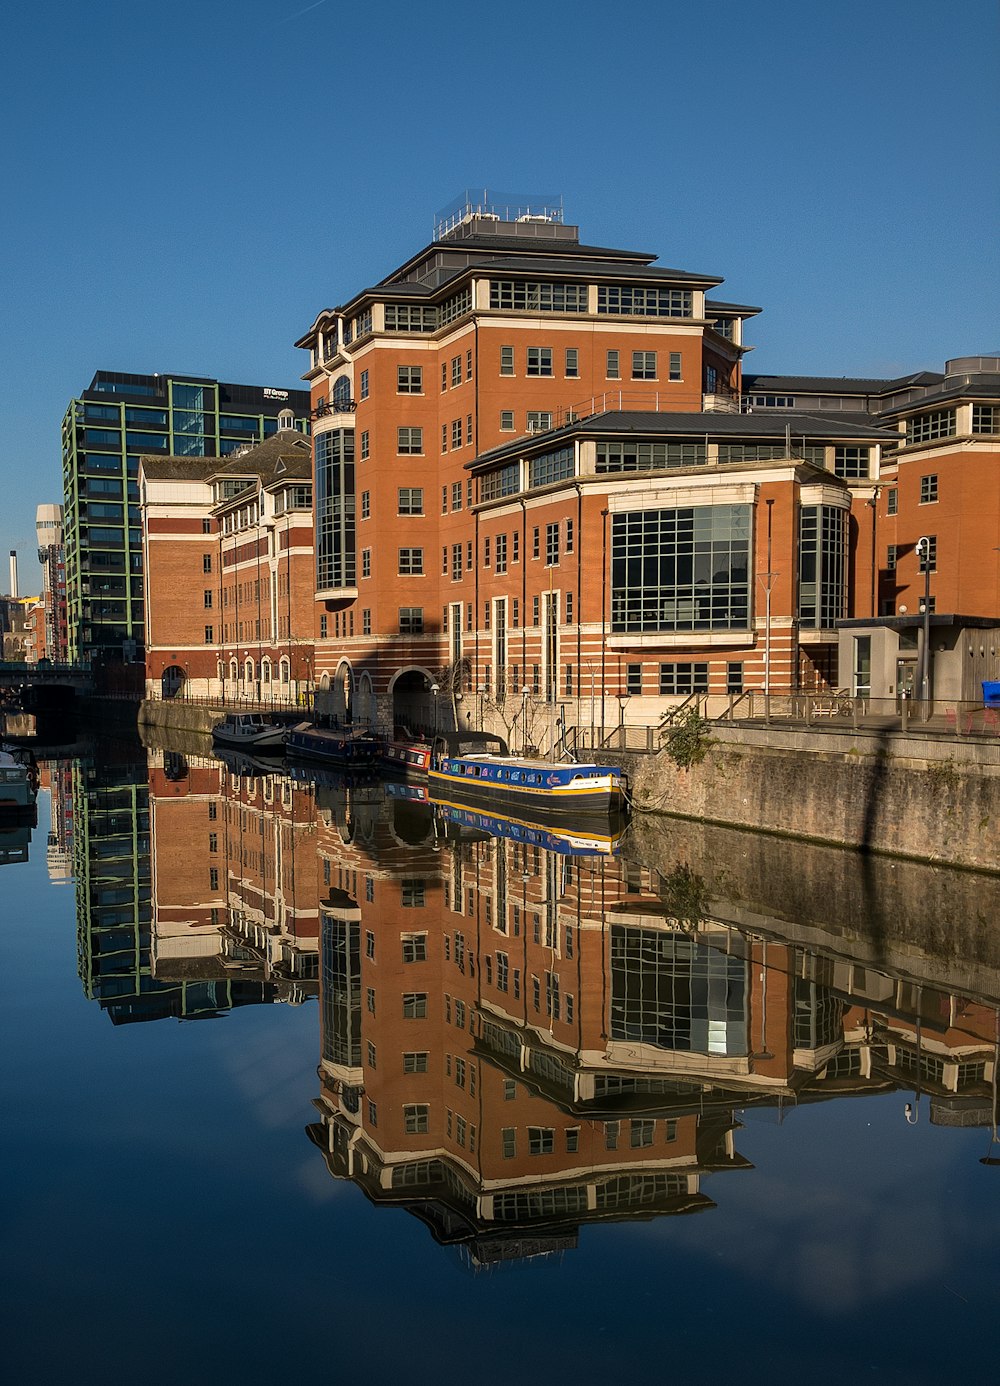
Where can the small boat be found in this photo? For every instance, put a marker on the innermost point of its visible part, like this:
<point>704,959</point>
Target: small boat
<point>341,746</point>
<point>467,770</point>
<point>18,783</point>
<point>247,731</point>
<point>406,755</point>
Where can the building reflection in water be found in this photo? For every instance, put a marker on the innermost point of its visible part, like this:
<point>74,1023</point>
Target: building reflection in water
<point>517,1037</point>
<point>516,1042</point>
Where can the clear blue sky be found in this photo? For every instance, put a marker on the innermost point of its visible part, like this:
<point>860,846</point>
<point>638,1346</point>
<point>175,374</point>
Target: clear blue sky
<point>185,185</point>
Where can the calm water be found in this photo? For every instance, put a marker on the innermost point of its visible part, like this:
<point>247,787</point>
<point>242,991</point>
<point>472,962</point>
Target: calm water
<point>299,1081</point>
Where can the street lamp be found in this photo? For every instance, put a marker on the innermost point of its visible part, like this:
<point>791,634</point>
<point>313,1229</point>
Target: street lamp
<point>923,549</point>
<point>435,690</point>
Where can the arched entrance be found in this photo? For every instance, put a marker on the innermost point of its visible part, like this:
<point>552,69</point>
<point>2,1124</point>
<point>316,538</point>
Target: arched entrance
<point>172,681</point>
<point>415,707</point>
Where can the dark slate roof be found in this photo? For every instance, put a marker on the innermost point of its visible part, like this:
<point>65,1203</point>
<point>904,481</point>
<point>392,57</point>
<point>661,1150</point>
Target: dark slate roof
<point>285,455</point>
<point>751,427</point>
<point>951,388</point>
<point>484,241</point>
<point>713,305</point>
<point>833,384</point>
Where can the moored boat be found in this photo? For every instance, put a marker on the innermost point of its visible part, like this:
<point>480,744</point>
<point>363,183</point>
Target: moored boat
<point>341,746</point>
<point>250,731</point>
<point>18,784</point>
<point>602,840</point>
<point>530,787</point>
<point>407,756</point>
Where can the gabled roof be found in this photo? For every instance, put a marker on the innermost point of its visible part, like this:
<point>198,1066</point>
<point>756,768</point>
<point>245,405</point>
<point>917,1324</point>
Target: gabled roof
<point>285,456</point>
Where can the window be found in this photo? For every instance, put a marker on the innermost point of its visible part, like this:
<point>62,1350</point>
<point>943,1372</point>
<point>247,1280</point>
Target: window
<point>641,1132</point>
<point>535,610</point>
<point>928,489</point>
<point>468,364</point>
<point>506,421</point>
<point>486,551</point>
<point>822,565</point>
<point>551,545</point>
<point>207,599</point>
<point>541,1140</point>
<point>444,437</point>
<point>366,621</point>
<point>366,505</point>
<point>644,365</point>
<point>613,368</point>
<point>573,1140</point>
<point>365,446</point>
<point>986,418</point>
<point>411,500</point>
<point>370,1000</point>
<point>414,948</point>
<point>681,569</point>
<point>891,554</point>
<point>415,1061</point>
<point>366,563</point>
<point>892,502</point>
<point>414,1005</point>
<point>409,380</point>
<point>456,371</point>
<point>683,678</point>
<point>456,433</point>
<point>206,563</point>
<point>372,1056</point>
<point>924,428</point>
<point>468,430</point>
<point>369,934</point>
<point>508,1143</point>
<point>213,878</point>
<point>539,361</point>
<point>324,625</point>
<point>569,536</point>
<point>734,677</point>
<point>551,466</point>
<point>444,376</point>
<point>411,562</point>
<point>633,680</point>
<point>456,562</point>
<point>415,1118</point>
<point>456,495</point>
<point>539,420</point>
<point>506,360</point>
<point>927,554</point>
<point>501,553</point>
<point>535,296</point>
<point>674,367</point>
<point>569,608</point>
<point>363,385</point>
<point>572,363</point>
<point>642,457</point>
<point>851,462</point>
<point>411,620</point>
<point>206,526</point>
<point>409,441</point>
<point>611,1130</point>
<point>372,1112</point>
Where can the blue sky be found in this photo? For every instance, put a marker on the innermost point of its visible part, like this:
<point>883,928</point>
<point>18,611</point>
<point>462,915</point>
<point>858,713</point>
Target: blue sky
<point>187,184</point>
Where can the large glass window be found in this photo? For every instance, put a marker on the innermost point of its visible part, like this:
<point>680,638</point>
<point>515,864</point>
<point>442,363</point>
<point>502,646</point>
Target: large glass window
<point>683,569</point>
<point>644,303</point>
<point>551,466</point>
<point>505,482</point>
<point>538,297</point>
<point>335,509</point>
<point>822,551</point>
<point>940,423</point>
<point>642,457</point>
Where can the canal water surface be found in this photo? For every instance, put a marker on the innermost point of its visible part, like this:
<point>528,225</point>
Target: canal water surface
<point>305,1082</point>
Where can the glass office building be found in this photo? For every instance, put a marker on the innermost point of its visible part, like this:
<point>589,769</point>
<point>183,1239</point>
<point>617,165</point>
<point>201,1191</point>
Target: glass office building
<point>119,418</point>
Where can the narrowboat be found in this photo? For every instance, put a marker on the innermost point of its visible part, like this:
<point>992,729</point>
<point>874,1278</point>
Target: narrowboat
<point>406,756</point>
<point>18,784</point>
<point>341,746</point>
<point>481,772</point>
<point>249,731</point>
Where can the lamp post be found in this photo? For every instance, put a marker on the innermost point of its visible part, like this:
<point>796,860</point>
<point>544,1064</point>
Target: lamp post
<point>435,690</point>
<point>923,548</point>
<point>525,695</point>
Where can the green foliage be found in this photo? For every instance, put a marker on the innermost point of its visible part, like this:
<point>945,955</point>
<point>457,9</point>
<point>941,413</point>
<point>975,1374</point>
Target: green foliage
<point>687,740</point>
<point>685,896</point>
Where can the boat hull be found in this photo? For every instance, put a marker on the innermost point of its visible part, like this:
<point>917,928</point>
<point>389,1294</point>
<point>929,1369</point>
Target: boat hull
<point>554,798</point>
<point>331,747</point>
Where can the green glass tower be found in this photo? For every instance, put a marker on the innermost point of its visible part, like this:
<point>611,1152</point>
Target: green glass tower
<point>119,418</point>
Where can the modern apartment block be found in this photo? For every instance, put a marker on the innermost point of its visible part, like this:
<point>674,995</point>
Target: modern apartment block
<point>117,419</point>
<point>535,484</point>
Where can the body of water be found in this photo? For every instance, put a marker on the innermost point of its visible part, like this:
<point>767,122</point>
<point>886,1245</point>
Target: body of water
<point>303,1080</point>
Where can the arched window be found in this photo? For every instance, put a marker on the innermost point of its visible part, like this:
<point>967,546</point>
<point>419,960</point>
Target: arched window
<point>265,670</point>
<point>234,671</point>
<point>340,395</point>
<point>285,670</point>
<point>248,671</point>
